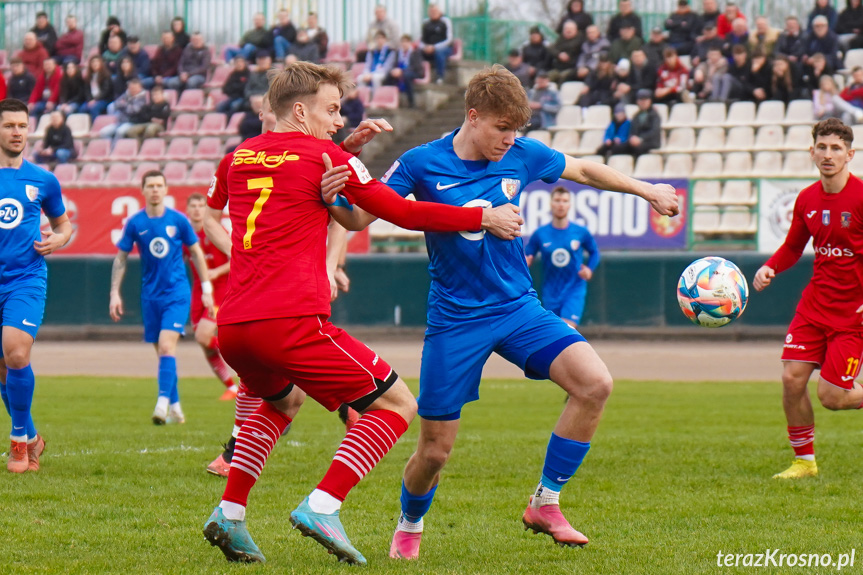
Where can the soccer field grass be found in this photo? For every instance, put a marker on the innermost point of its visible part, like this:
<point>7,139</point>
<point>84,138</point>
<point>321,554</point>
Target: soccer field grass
<point>677,473</point>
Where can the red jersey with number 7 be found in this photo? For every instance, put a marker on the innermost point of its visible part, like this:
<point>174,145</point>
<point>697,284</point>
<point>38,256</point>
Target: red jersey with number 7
<point>835,224</point>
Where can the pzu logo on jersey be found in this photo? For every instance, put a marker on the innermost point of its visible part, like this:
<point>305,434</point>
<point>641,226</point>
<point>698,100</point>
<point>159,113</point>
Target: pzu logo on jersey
<point>11,213</point>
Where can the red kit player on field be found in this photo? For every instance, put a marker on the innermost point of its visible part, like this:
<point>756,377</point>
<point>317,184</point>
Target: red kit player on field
<point>826,331</point>
<point>273,324</point>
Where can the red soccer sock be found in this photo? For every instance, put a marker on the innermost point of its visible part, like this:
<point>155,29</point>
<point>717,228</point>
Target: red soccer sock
<point>802,439</point>
<point>217,363</point>
<point>244,405</point>
<point>361,449</point>
<point>257,438</point>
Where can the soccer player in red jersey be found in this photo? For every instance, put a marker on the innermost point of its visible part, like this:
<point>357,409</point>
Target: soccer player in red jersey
<point>826,331</point>
<point>203,322</point>
<point>273,324</point>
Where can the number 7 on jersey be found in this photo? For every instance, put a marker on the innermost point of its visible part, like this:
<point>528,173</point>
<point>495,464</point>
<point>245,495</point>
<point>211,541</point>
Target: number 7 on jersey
<point>266,187</point>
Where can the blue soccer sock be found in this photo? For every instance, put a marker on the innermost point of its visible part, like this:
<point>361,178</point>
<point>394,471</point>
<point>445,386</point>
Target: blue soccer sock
<point>415,506</point>
<point>20,384</point>
<point>167,376</point>
<point>562,459</point>
<point>5,397</point>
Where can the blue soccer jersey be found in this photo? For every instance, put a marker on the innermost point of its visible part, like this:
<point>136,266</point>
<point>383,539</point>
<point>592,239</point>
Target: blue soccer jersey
<point>562,255</point>
<point>160,242</point>
<point>476,272</point>
<point>24,193</point>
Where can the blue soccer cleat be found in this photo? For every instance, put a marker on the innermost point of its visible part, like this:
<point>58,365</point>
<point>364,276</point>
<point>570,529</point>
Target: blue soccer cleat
<point>326,530</point>
<point>232,538</point>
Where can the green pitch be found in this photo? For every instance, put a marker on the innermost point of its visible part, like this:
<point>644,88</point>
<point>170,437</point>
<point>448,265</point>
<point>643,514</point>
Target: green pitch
<point>677,473</point>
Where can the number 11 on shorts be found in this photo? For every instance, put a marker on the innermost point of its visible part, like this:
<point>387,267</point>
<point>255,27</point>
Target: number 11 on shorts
<point>853,363</point>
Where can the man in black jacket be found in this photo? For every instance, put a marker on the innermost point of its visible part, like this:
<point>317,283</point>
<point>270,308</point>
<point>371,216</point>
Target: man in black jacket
<point>683,26</point>
<point>436,40</point>
<point>646,130</point>
<point>57,144</point>
<point>21,82</point>
<point>626,16</point>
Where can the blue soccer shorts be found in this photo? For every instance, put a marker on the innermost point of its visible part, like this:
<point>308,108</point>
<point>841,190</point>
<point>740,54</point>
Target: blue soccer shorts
<point>454,352</point>
<point>159,315</point>
<point>23,308</point>
<point>570,306</point>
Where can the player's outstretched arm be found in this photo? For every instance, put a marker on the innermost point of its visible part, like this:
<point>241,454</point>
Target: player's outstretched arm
<point>57,237</point>
<point>763,277</point>
<point>215,232</point>
<point>365,133</point>
<point>199,260</point>
<point>118,270</point>
<point>662,197</point>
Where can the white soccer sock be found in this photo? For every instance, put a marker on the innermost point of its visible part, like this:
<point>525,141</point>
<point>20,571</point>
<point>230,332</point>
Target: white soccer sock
<point>323,502</point>
<point>162,402</point>
<point>18,438</point>
<point>234,388</point>
<point>408,527</point>
<point>810,457</point>
<point>233,511</point>
<point>175,407</point>
<point>544,496</point>
<point>236,432</point>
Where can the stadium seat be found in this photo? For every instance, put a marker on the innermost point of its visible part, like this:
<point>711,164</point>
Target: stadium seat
<point>711,114</point>
<point>570,92</point>
<point>623,163</point>
<point>175,173</point>
<point>191,100</point>
<point>151,49</point>
<point>214,98</point>
<point>705,220</point>
<point>707,165</point>
<point>662,110</point>
<point>737,164</point>
<point>79,148</point>
<point>338,52</point>
<point>568,118</point>
<point>152,149</point>
<point>4,60</point>
<point>426,77</point>
<point>853,58</point>
<point>710,140</point>
<point>590,142</point>
<point>856,165</point>
<point>100,122</point>
<point>66,174</point>
<point>767,163</point>
<point>184,125</point>
<point>119,174</point>
<point>798,138</point>
<point>91,174</point>
<point>594,158</point>
<point>686,60</point>
<point>680,140</point>
<point>740,114</point>
<point>858,131</point>
<point>96,151</point>
<point>202,172</point>
<point>677,166</point>
<point>737,220</point>
<point>41,126</point>
<point>142,169</point>
<point>738,193</point>
<point>596,117</point>
<point>770,112</point>
<point>385,98</point>
<point>180,149</point>
<point>739,138</point>
<point>171,98</point>
<point>357,69</point>
<point>543,136</point>
<point>769,138</point>
<point>799,164</point>
<point>79,124</point>
<point>233,142</point>
<point>219,76</point>
<point>799,112</point>
<point>840,81</point>
<point>648,166</point>
<point>682,115</point>
<point>209,148</point>
<point>213,124</point>
<point>631,111</point>
<point>566,141</point>
<point>125,150</point>
<point>234,123</point>
<point>706,192</point>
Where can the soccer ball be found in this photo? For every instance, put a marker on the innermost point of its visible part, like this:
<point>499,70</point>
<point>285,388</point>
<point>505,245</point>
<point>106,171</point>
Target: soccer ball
<point>712,292</point>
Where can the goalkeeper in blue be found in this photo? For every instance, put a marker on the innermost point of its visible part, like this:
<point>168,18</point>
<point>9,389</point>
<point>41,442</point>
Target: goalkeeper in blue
<point>481,299</point>
<point>561,245</point>
<point>27,191</point>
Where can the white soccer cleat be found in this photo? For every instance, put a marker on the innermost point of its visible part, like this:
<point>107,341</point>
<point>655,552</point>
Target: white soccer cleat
<point>160,414</point>
<point>175,415</point>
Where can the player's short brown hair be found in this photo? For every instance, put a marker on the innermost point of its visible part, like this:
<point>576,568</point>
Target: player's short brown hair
<point>196,197</point>
<point>497,91</point>
<point>12,105</point>
<point>560,190</point>
<point>833,126</point>
<point>301,80</point>
<point>152,174</point>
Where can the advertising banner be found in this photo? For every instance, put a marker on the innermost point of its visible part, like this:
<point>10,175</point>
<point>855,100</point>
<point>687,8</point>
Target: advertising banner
<point>776,205</point>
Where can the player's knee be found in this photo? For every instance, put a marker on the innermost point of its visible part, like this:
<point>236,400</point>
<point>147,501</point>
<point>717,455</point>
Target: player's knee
<point>793,384</point>
<point>830,398</point>
<point>17,358</point>
<point>203,338</point>
<point>434,456</point>
<point>594,390</point>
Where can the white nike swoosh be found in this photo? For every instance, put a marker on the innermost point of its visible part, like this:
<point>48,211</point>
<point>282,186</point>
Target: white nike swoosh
<point>142,232</point>
<point>546,244</point>
<point>847,377</point>
<point>178,325</point>
<point>440,187</point>
<point>562,479</point>
<point>25,322</point>
<point>812,213</point>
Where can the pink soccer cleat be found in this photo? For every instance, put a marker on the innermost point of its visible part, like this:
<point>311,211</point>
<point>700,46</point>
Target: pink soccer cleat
<point>219,466</point>
<point>549,520</point>
<point>405,545</point>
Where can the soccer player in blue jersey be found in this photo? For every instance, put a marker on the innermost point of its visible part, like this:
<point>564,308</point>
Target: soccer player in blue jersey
<point>160,233</point>
<point>481,300</point>
<point>561,245</point>
<point>26,190</point>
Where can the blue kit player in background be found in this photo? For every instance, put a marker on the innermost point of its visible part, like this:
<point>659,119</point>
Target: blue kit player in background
<point>561,245</point>
<point>26,190</point>
<point>160,234</point>
<point>481,298</point>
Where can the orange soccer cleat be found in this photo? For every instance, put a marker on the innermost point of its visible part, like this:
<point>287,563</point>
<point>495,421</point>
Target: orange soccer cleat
<point>34,450</point>
<point>18,461</point>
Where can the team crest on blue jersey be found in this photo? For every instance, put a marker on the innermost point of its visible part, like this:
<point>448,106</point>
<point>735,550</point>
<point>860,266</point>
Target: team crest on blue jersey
<point>574,244</point>
<point>171,231</point>
<point>32,192</point>
<point>846,219</point>
<point>825,217</point>
<point>510,187</point>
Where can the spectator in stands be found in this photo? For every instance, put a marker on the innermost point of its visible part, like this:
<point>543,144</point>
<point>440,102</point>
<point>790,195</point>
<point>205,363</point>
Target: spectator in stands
<point>707,77</point>
<point>251,124</point>
<point>73,89</point>
<point>317,34</point>
<point>46,92</point>
<point>516,65</point>
<point>810,79</point>
<point>178,29</point>
<point>408,68</point>
<point>125,72</point>
<point>564,54</point>
<point>764,37</point>
<point>683,26</point>
<point>621,81</point>
<point>141,59</point>
<point>625,15</point>
<point>32,54</point>
<point>709,14</point>
<point>254,40</point>
<point>739,36</point>
<point>129,109</point>
<point>824,41</point>
<point>783,82</point>
<point>672,78</point>
<point>617,132</point>
<point>353,108</point>
<point>70,46</point>
<point>850,23</point>
<point>853,92</point>
<point>791,43</point>
<point>57,143</point>
<point>234,87</point>
<point>284,34</point>
<point>759,76</point>
<point>822,8</point>
<point>599,84</point>
<point>194,65</point>
<point>112,28</point>
<point>380,60</point>
<point>575,13</point>
<point>723,22</point>
<point>738,72</point>
<point>165,65</point>
<point>157,112</point>
<point>645,131</point>
<point>535,52</point>
<point>111,56</point>
<point>21,81</point>
<point>303,49</point>
<point>625,44</point>
<point>100,88</point>
<point>593,45</point>
<point>382,23</point>
<point>436,40</point>
<point>827,103</point>
<point>45,32</point>
<point>258,82</point>
<point>544,103</point>
<point>709,40</point>
<point>641,76</point>
<point>655,47</point>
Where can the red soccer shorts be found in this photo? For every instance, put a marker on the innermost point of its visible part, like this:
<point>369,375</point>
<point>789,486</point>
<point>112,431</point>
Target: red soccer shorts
<point>199,312</point>
<point>837,352</point>
<point>324,361</point>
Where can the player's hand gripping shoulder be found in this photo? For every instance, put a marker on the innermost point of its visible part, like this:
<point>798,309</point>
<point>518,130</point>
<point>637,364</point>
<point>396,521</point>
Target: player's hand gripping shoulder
<point>503,221</point>
<point>764,276</point>
<point>365,133</point>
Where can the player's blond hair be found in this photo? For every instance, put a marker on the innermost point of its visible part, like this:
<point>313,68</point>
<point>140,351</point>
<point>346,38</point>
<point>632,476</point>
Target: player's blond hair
<point>833,126</point>
<point>498,92</point>
<point>301,80</point>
